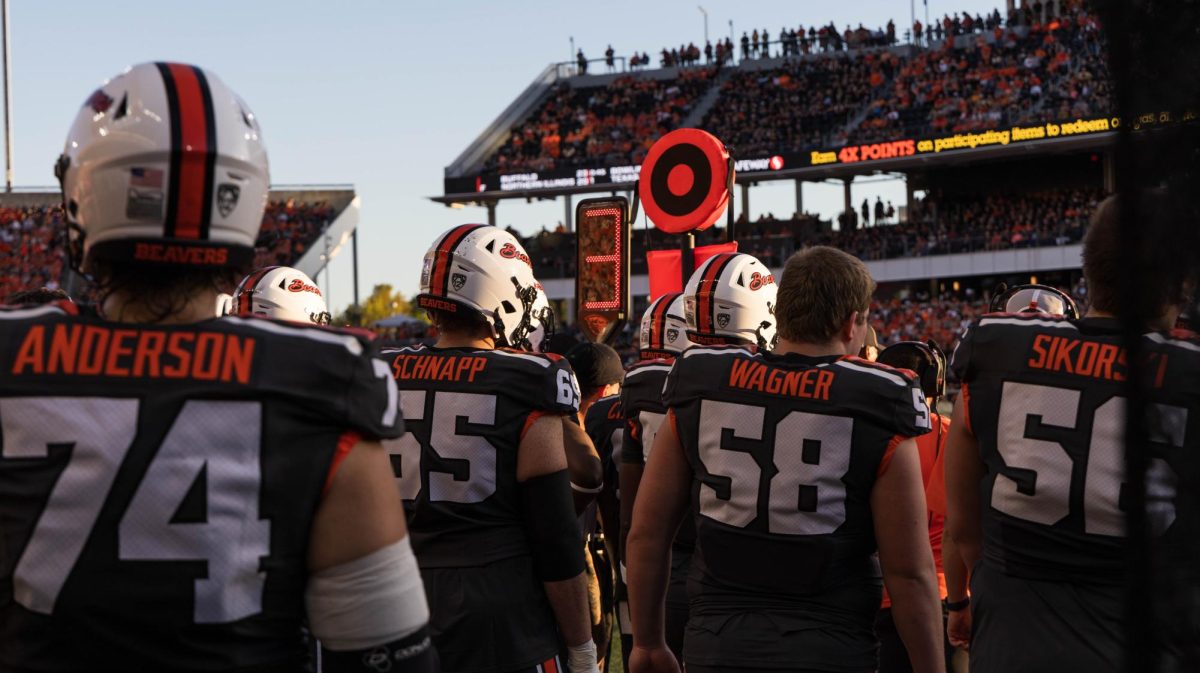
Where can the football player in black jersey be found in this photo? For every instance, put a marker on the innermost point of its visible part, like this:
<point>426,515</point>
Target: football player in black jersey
<point>800,463</point>
<point>174,488</point>
<point>663,336</point>
<point>599,370</point>
<point>1035,464</point>
<point>482,468</point>
<point>584,465</point>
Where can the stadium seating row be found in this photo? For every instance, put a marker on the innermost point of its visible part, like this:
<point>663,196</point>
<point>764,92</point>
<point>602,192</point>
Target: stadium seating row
<point>936,225</point>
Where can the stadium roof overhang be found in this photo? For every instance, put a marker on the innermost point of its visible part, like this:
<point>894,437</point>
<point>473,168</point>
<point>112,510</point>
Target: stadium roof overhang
<point>813,173</point>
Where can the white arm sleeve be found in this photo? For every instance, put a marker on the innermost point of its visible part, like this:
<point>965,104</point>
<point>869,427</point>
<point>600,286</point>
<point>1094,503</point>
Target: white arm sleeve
<point>368,602</point>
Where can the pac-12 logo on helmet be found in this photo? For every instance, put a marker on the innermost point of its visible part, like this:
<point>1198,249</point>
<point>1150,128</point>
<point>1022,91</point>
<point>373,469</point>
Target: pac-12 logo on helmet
<point>664,328</point>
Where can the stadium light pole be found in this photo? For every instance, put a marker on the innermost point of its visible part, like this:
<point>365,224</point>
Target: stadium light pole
<point>702,11</point>
<point>8,134</point>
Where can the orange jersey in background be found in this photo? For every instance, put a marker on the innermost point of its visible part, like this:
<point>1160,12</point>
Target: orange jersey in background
<point>932,449</point>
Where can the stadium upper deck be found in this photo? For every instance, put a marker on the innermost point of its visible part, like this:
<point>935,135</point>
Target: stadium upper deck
<point>1014,89</point>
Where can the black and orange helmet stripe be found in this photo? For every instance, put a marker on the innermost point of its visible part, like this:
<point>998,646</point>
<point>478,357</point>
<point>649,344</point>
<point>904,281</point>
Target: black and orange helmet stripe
<point>705,306</point>
<point>658,320</point>
<point>439,275</point>
<point>245,291</point>
<point>193,151</point>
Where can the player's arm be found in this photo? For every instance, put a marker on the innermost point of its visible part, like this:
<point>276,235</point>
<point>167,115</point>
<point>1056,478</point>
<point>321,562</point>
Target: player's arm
<point>583,464</point>
<point>902,531</point>
<point>554,536</point>
<point>630,476</point>
<point>609,510</point>
<point>964,470</point>
<point>657,513</point>
<point>364,589</point>
<point>958,621</point>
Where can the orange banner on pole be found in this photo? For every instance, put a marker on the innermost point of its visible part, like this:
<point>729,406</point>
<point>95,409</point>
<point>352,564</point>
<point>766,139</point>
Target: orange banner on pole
<point>666,266</point>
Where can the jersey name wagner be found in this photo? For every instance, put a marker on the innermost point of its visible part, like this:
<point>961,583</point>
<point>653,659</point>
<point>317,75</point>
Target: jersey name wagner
<point>785,451</point>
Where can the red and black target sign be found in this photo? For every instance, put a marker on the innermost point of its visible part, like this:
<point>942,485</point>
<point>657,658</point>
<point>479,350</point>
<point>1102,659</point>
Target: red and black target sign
<point>685,181</point>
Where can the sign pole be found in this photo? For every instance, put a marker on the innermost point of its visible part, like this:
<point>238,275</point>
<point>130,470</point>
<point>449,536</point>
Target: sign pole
<point>687,257</point>
<point>8,134</point>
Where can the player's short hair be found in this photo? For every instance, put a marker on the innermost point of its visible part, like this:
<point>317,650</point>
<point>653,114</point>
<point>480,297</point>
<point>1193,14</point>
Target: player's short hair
<point>820,288</point>
<point>1107,263</point>
<point>163,291</point>
<point>462,322</point>
<point>36,297</point>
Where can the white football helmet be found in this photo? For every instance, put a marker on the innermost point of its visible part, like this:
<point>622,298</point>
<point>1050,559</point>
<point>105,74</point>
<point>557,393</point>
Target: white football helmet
<point>543,331</point>
<point>664,328</point>
<point>731,299</point>
<point>283,293</point>
<point>164,164</point>
<point>483,269</point>
<point>1035,299</point>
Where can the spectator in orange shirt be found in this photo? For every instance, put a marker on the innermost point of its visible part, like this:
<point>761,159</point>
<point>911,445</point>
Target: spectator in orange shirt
<point>929,364</point>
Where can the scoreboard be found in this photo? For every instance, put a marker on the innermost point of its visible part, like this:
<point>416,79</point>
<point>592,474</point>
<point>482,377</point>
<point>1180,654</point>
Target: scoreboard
<point>602,298</point>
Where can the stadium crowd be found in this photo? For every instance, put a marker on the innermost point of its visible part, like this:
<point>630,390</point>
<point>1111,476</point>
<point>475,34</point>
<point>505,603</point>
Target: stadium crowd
<point>936,225</point>
<point>993,73</point>
<point>769,111</point>
<point>615,124</point>
<point>32,252</point>
<point>941,225</point>
<point>1047,71</point>
<point>289,228</point>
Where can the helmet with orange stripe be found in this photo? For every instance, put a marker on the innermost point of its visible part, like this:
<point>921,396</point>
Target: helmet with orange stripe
<point>164,165</point>
<point>664,329</point>
<point>283,293</point>
<point>731,299</point>
<point>480,271</point>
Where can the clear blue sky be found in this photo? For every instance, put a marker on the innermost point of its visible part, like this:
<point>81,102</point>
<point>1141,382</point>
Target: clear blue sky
<point>382,94</point>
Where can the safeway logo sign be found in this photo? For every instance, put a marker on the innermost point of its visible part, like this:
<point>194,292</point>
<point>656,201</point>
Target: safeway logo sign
<point>752,165</point>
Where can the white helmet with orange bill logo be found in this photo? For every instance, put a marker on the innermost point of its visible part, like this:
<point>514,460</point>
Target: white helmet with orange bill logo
<point>483,271</point>
<point>283,293</point>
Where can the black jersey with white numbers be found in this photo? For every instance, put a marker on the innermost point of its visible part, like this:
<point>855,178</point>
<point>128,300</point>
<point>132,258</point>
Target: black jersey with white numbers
<point>642,400</point>
<point>641,397</point>
<point>785,451</point>
<point>158,485</point>
<point>466,411</point>
<point>1045,398</point>
<point>605,426</point>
